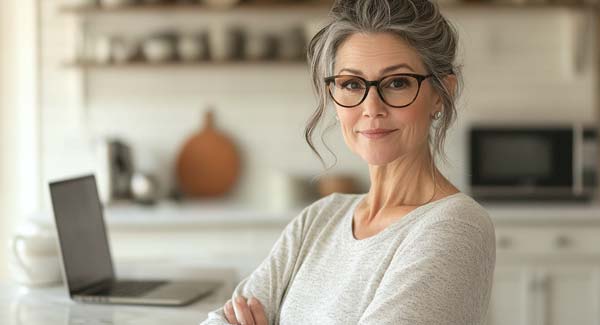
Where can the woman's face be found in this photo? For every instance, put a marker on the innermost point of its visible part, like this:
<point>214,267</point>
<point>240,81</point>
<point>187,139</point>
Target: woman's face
<point>373,56</point>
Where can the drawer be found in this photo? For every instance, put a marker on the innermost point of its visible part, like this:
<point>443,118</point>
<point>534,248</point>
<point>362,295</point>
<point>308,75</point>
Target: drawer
<point>548,240</point>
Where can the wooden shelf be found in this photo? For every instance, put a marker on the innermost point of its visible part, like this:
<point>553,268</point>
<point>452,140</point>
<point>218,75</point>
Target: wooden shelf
<point>501,5</point>
<point>294,6</point>
<point>160,8</point>
<point>183,64</point>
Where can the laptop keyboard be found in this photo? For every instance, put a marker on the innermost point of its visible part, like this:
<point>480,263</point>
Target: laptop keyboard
<point>131,288</point>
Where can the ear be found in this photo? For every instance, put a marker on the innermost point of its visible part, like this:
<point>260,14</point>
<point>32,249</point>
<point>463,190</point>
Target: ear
<point>450,82</point>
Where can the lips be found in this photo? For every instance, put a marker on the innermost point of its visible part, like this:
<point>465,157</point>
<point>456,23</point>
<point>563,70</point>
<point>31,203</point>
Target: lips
<point>377,133</point>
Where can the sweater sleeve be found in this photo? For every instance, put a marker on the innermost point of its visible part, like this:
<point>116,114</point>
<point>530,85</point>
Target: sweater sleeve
<point>442,275</point>
<point>270,279</point>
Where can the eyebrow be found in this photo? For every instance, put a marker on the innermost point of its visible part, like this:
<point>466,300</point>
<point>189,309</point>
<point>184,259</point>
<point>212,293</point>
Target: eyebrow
<point>385,70</point>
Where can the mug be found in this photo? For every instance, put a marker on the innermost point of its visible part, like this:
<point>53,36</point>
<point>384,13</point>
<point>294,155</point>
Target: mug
<point>287,191</point>
<point>191,47</point>
<point>123,50</point>
<point>34,258</point>
<point>101,49</point>
<point>226,43</point>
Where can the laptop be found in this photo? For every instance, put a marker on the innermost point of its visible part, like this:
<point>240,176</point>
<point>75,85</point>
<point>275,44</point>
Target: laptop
<point>86,260</point>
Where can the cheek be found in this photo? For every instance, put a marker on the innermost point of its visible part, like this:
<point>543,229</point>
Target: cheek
<point>348,131</point>
<point>414,126</point>
<point>419,114</point>
<point>348,122</point>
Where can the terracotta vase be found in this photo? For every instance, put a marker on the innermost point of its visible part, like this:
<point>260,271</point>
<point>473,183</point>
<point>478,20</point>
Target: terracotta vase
<point>208,164</point>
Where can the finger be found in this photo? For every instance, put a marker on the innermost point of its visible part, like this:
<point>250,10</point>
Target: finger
<point>242,311</point>
<point>258,311</point>
<point>229,313</point>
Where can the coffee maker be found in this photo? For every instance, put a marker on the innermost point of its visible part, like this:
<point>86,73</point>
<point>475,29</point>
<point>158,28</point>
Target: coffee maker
<point>115,169</point>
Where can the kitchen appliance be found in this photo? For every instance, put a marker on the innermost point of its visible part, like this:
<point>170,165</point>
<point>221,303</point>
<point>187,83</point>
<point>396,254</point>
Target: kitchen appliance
<point>115,169</point>
<point>531,162</point>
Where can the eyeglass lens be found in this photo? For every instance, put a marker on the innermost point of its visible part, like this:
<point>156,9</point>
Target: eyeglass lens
<point>395,90</point>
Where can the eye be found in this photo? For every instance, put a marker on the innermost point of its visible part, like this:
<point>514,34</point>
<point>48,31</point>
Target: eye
<point>351,84</point>
<point>399,83</point>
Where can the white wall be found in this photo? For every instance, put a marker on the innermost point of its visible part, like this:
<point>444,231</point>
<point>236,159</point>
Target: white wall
<point>19,124</point>
<point>521,65</point>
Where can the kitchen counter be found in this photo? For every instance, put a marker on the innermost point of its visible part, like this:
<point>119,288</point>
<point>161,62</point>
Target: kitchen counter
<point>226,215</point>
<point>168,214</point>
<point>544,213</point>
<point>20,305</point>
<point>195,214</point>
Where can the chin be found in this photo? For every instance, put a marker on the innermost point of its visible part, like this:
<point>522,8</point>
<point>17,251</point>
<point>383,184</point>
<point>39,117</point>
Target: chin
<point>378,160</point>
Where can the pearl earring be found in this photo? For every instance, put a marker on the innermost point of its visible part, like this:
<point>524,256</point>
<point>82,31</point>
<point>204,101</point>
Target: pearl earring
<point>437,115</point>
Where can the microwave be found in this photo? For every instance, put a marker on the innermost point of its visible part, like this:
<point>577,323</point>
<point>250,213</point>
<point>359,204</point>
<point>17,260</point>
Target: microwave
<point>533,162</point>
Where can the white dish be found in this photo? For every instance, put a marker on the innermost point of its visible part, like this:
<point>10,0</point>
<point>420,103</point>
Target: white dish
<point>115,3</point>
<point>158,50</point>
<point>221,4</point>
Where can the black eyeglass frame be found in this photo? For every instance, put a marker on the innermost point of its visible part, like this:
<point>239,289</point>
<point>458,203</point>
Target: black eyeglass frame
<point>368,83</point>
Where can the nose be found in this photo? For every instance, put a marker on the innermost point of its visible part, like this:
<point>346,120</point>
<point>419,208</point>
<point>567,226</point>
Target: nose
<point>373,105</point>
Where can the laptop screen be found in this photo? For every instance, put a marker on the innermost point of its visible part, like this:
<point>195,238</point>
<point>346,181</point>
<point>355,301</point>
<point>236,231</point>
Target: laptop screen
<point>81,232</point>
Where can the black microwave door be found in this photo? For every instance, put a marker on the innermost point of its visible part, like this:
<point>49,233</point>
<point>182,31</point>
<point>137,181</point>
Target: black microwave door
<point>518,157</point>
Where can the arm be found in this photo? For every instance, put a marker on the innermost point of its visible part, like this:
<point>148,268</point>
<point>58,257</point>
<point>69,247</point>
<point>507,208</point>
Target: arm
<point>270,280</point>
<point>441,275</point>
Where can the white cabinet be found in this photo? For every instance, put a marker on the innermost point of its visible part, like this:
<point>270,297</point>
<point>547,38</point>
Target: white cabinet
<point>511,299</point>
<point>546,275</point>
<point>545,295</point>
<point>568,295</point>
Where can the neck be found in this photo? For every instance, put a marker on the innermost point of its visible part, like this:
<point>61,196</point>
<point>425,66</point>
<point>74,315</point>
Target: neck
<point>408,181</point>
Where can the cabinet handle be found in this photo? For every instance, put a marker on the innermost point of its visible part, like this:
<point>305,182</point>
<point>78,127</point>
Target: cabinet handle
<point>562,241</point>
<point>540,283</point>
<point>505,242</point>
<point>544,283</point>
<point>534,285</point>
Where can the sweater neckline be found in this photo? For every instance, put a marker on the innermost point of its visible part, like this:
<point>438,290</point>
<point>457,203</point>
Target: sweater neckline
<point>358,243</point>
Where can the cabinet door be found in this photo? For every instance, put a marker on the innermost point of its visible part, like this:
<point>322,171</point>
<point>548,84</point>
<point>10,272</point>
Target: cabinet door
<point>511,302</point>
<point>570,295</point>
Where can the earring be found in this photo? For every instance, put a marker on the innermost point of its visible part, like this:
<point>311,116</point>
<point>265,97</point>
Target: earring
<point>437,115</point>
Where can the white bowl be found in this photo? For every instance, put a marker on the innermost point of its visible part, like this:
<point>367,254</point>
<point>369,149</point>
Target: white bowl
<point>221,4</point>
<point>190,47</point>
<point>115,3</point>
<point>158,50</point>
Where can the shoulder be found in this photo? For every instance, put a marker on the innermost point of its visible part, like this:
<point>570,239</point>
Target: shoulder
<point>460,210</point>
<point>457,221</point>
<point>329,207</point>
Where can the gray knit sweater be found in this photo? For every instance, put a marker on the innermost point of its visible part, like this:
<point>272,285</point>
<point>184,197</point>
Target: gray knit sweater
<point>432,266</point>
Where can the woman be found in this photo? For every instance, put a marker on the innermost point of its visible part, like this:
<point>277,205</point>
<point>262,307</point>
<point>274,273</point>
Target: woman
<point>414,249</point>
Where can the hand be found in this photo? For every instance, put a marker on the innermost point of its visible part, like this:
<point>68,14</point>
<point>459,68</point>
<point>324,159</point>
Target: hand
<point>251,313</point>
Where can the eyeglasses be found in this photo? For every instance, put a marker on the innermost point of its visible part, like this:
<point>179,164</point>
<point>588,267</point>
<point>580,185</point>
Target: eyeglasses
<point>397,90</point>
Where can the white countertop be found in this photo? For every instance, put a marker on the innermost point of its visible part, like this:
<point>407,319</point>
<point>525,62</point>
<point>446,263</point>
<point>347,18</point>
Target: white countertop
<point>544,213</point>
<point>20,305</point>
<point>202,214</point>
<point>196,213</point>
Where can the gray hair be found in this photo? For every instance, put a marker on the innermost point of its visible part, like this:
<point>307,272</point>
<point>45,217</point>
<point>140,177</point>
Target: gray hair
<point>418,22</point>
